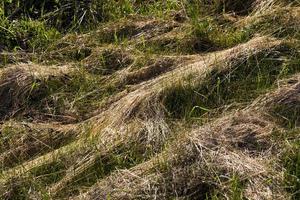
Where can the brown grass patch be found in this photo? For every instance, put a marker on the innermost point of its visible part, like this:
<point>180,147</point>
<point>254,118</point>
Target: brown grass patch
<point>24,84</point>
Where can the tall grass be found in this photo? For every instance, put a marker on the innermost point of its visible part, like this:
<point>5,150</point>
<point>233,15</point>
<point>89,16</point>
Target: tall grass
<point>26,35</point>
<point>79,15</point>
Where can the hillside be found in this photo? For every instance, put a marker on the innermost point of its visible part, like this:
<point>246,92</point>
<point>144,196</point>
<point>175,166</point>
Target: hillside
<point>154,99</point>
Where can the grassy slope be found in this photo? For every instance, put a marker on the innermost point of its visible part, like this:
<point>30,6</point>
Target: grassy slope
<point>155,100</point>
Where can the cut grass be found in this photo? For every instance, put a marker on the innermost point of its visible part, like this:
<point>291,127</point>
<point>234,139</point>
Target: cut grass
<point>121,158</point>
<point>29,141</point>
<point>244,81</point>
<point>108,135</point>
<point>77,97</point>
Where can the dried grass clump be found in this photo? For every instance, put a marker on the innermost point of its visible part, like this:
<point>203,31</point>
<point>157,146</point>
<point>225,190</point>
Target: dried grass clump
<point>23,141</point>
<point>15,89</point>
<point>134,28</point>
<point>284,103</point>
<point>271,17</point>
<point>24,84</point>
<point>288,93</point>
<point>148,72</point>
<point>107,61</point>
<point>200,162</point>
<point>247,132</point>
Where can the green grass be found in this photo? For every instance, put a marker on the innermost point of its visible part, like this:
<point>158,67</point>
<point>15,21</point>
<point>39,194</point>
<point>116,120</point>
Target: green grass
<point>199,35</point>
<point>241,84</point>
<point>277,24</point>
<point>291,163</point>
<point>235,187</point>
<point>25,35</point>
<point>49,173</point>
<point>75,15</point>
<point>214,36</point>
<point>39,23</point>
<point>79,93</point>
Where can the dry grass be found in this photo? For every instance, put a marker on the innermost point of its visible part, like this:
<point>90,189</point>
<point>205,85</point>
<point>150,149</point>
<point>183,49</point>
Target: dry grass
<point>201,160</point>
<point>138,115</point>
<point>22,84</point>
<point>127,146</point>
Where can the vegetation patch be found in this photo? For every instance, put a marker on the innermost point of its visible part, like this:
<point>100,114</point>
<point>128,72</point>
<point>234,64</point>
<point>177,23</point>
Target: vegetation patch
<point>288,115</point>
<point>24,85</point>
<point>221,6</point>
<point>26,35</point>
<point>107,61</point>
<point>150,71</point>
<point>209,36</point>
<point>244,81</point>
<point>149,99</point>
<point>23,188</point>
<point>274,22</point>
<point>29,141</point>
<point>285,106</point>
<point>291,163</point>
<point>66,14</point>
<point>101,165</point>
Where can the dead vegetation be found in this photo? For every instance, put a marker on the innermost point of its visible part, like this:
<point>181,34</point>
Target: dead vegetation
<point>107,61</point>
<point>20,142</point>
<point>150,108</point>
<point>23,85</point>
<point>206,158</point>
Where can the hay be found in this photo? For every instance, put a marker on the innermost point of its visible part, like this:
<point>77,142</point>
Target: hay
<point>23,83</point>
<point>23,141</point>
<point>191,165</point>
<point>139,116</point>
<point>107,61</point>
<point>203,159</point>
<point>284,103</point>
<point>186,164</point>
